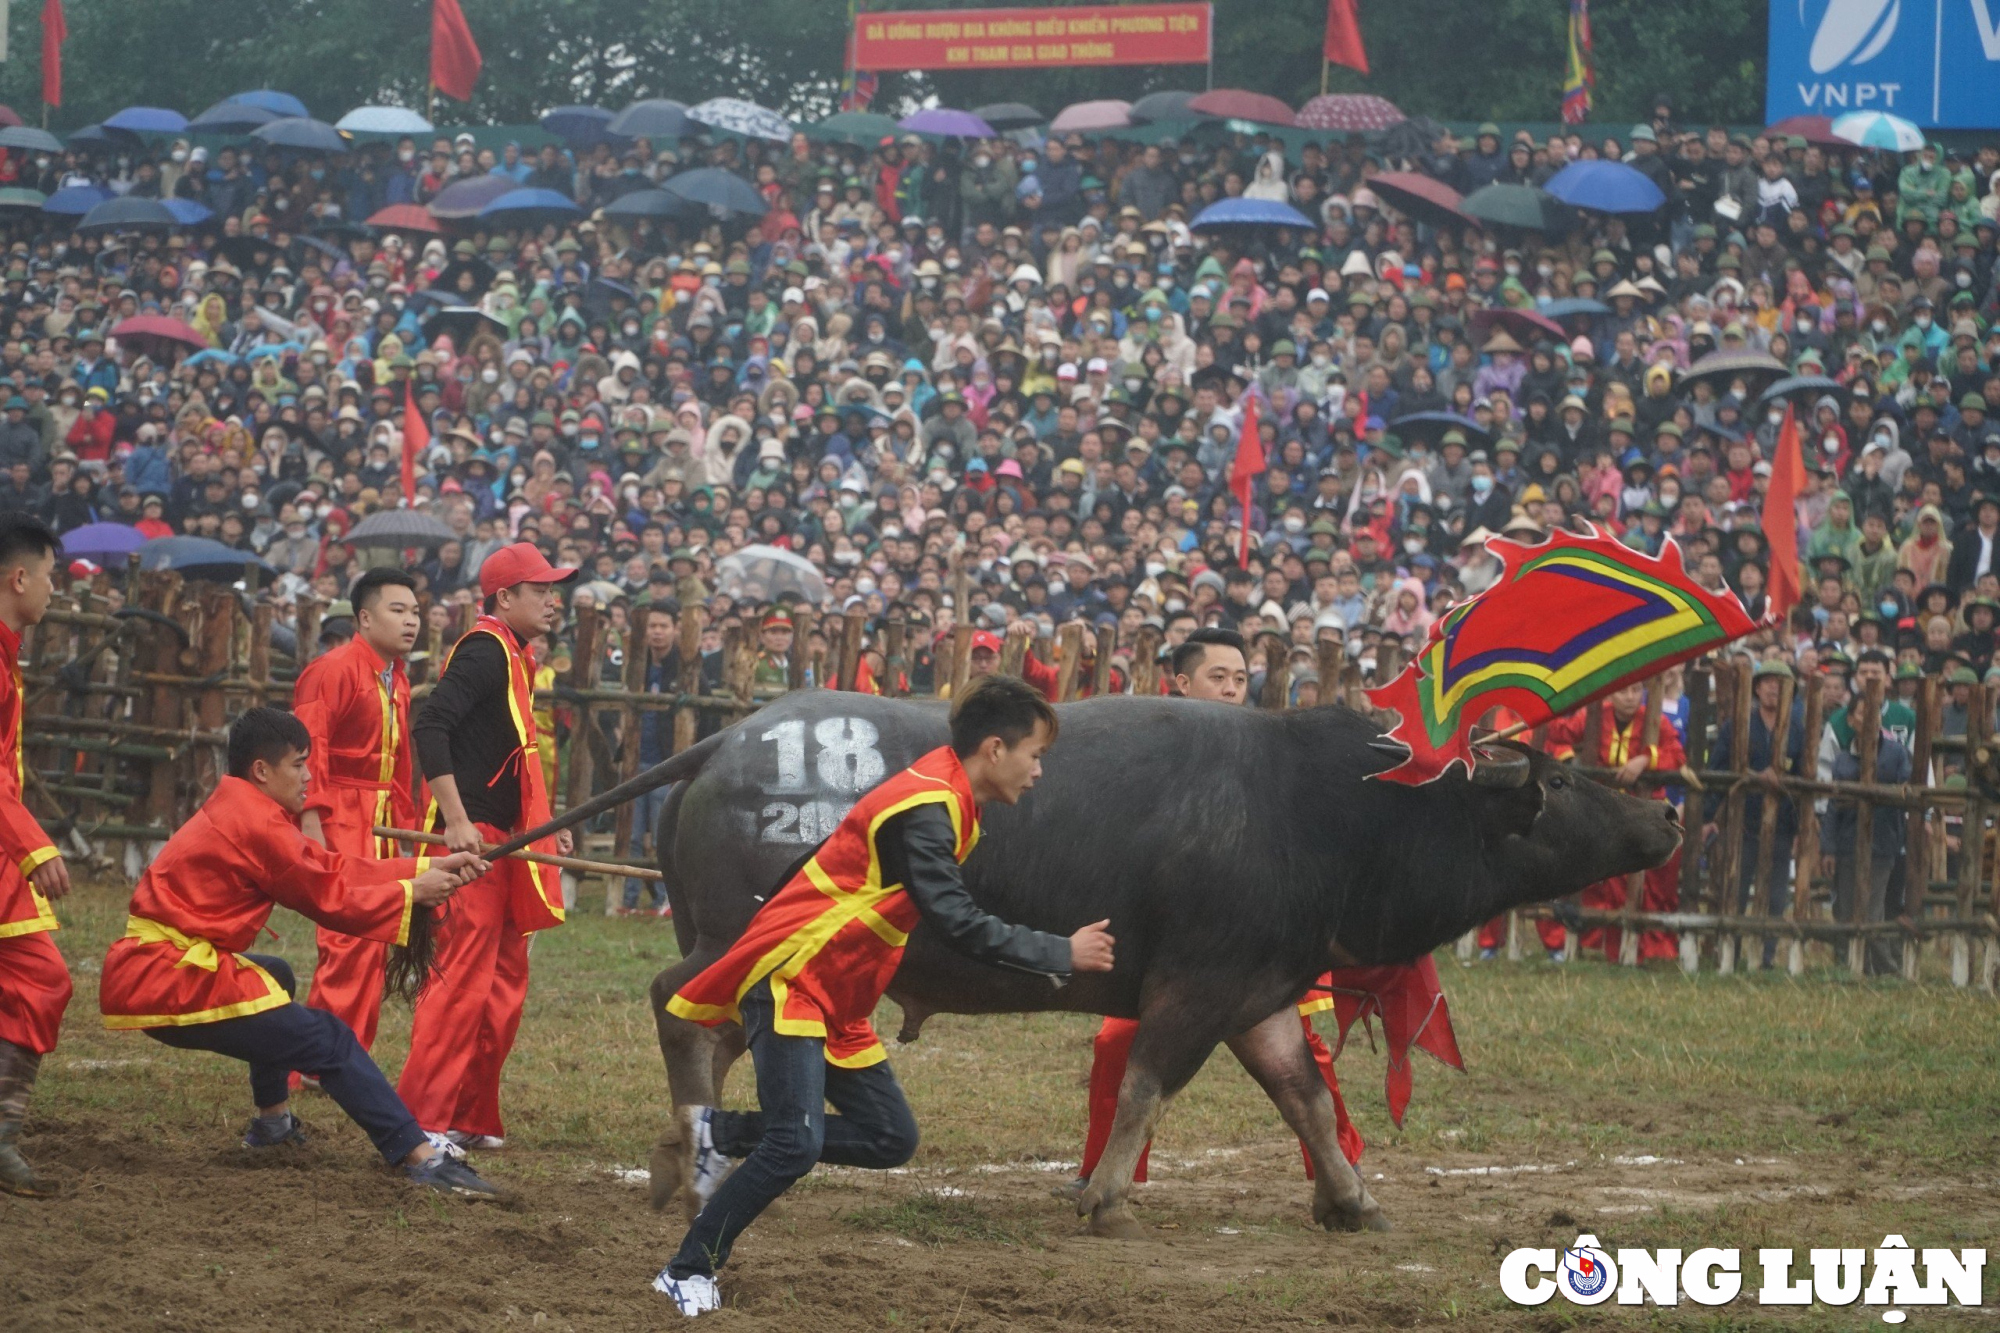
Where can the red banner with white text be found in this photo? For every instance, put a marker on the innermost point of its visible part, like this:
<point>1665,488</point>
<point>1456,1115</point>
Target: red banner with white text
<point>1172,34</point>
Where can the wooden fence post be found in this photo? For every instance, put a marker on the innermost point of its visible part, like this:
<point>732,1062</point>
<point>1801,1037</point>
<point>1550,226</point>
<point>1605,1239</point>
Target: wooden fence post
<point>895,658</point>
<point>1635,885</point>
<point>851,646</point>
<point>687,638</point>
<point>1767,824</point>
<point>1808,824</point>
<point>1069,650</point>
<point>961,657</point>
<point>1972,831</point>
<point>1695,743</point>
<point>1100,676</point>
<point>582,676</point>
<point>1277,670</point>
<point>797,667</point>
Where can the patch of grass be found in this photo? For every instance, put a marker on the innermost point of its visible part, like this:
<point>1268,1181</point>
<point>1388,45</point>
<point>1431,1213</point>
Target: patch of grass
<point>929,1217</point>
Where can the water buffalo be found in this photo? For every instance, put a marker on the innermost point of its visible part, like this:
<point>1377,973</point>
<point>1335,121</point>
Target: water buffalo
<point>1238,854</point>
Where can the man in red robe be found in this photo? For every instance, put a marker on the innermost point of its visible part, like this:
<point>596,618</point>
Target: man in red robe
<point>355,703</point>
<point>34,981</point>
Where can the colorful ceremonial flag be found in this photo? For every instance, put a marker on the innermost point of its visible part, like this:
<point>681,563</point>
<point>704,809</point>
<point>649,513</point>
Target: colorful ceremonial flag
<point>1244,471</point>
<point>1782,585</point>
<point>416,440</point>
<point>857,86</point>
<point>1580,74</point>
<point>1565,623</point>
<point>1343,35</point>
<point>55,30</point>
<point>454,55</point>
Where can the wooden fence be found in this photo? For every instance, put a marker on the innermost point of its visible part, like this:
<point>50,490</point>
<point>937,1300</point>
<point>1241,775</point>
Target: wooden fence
<point>126,712</point>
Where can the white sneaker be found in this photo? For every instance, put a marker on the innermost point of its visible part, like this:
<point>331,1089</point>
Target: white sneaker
<point>483,1142</point>
<point>691,1295</point>
<point>706,1164</point>
<point>444,1144</point>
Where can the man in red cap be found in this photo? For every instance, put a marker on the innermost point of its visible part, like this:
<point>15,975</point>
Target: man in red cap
<point>477,742</point>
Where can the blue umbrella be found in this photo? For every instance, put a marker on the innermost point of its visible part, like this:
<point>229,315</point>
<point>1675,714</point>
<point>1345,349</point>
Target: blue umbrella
<point>301,132</point>
<point>1605,187</point>
<point>30,138</point>
<point>98,541</point>
<point>1250,213</point>
<point>232,117</point>
<point>277,103</point>
<point>530,208</point>
<point>212,355</point>
<point>199,558</point>
<point>656,118</point>
<point>128,214</point>
<point>147,120</point>
<point>721,192</point>
<point>946,123</point>
<point>578,126</point>
<point>1879,129</point>
<point>76,199</point>
<point>188,212</point>
<point>389,120</point>
<point>1575,305</point>
<point>97,136</point>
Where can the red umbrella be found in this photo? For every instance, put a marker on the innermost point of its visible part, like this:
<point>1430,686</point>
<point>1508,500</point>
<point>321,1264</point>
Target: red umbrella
<point>9,117</point>
<point>1236,104</point>
<point>405,217</point>
<point>1527,325</point>
<point>1813,129</point>
<point>163,327</point>
<point>1349,111</point>
<point>1422,198</point>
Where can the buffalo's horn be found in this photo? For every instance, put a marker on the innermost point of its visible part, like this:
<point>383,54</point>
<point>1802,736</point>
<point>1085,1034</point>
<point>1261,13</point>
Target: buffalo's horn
<point>1507,770</point>
<point>1394,749</point>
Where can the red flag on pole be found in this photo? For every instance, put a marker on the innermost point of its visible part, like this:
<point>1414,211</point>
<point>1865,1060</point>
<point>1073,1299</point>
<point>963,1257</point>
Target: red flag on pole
<point>1343,35</point>
<point>454,55</point>
<point>55,30</point>
<point>1244,471</point>
<point>416,439</point>
<point>1781,520</point>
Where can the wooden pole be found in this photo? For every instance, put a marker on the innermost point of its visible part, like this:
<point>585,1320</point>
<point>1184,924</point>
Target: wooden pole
<point>1695,744</point>
<point>1741,707</point>
<point>1100,676</point>
<point>1972,832</point>
<point>575,863</point>
<point>1069,651</point>
<point>1862,871</point>
<point>961,658</point>
<point>582,676</point>
<point>851,645</point>
<point>1767,824</point>
<point>631,720</point>
<point>1916,837</point>
<point>1013,653</point>
<point>688,638</point>
<point>1146,662</point>
<point>895,658</point>
<point>804,620</point>
<point>1277,671</point>
<point>1808,824</point>
<point>1635,884</point>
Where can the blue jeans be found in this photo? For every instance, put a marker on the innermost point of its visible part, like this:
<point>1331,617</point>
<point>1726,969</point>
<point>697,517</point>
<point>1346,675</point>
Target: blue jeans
<point>780,1142</point>
<point>312,1041</point>
<point>645,814</point>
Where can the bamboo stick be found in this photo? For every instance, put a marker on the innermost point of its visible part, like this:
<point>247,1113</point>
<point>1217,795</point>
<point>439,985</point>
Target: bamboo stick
<point>575,863</point>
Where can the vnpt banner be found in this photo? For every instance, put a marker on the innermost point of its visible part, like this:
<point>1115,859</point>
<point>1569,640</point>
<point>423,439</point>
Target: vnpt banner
<point>1028,38</point>
<point>1936,62</point>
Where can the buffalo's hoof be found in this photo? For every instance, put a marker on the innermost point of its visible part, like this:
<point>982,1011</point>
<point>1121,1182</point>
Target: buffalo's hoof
<point>1332,1215</point>
<point>1116,1223</point>
<point>666,1168</point>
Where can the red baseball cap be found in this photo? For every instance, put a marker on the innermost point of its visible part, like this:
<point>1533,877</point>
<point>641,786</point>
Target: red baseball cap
<point>522,562</point>
<point>986,639</point>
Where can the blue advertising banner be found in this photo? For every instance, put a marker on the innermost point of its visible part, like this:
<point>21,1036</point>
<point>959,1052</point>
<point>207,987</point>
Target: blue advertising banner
<point>1935,62</point>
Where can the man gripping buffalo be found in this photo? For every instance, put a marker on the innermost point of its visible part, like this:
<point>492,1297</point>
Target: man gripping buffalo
<point>808,970</point>
<point>477,741</point>
<point>355,704</point>
<point>34,980</point>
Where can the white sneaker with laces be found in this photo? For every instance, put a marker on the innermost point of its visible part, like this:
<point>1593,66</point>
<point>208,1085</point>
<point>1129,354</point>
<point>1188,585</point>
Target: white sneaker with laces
<point>707,1164</point>
<point>444,1144</point>
<point>484,1142</point>
<point>692,1295</point>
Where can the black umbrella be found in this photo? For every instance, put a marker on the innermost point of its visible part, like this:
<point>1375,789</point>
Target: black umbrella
<point>482,273</point>
<point>462,323</point>
<point>724,194</point>
<point>1801,384</point>
<point>303,133</point>
<point>1411,139</point>
<point>1431,426</point>
<point>1519,206</point>
<point>656,118</point>
<point>1010,115</point>
<point>127,214</point>
<point>645,204</point>
<point>465,198</point>
<point>233,117</point>
<point>248,252</point>
<point>400,528</point>
<point>200,558</point>
<point>1162,106</point>
<point>1732,365</point>
<point>30,138</point>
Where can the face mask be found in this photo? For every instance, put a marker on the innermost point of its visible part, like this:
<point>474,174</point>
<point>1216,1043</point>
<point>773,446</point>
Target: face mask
<point>1057,587</point>
<point>1964,278</point>
<point>982,161</point>
<point>1546,270</point>
<point>407,154</point>
<point>490,375</point>
<point>179,155</point>
<point>1880,327</point>
<point>1923,320</point>
<point>1155,568</point>
<point>1513,269</point>
<point>1152,314</point>
<point>864,585</point>
<point>1775,418</point>
<point>1413,545</point>
<point>1481,485</point>
<point>324,510</point>
<point>1805,326</point>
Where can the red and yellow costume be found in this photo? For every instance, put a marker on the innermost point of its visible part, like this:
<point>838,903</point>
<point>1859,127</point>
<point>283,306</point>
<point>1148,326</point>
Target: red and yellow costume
<point>1617,743</point>
<point>830,940</point>
<point>212,888</point>
<point>468,1015</point>
<point>34,981</point>
<point>356,708</point>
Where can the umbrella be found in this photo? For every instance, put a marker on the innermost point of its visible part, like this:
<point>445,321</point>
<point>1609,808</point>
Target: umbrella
<point>862,128</point>
<point>212,354</point>
<point>1009,115</point>
<point>1110,114</point>
<point>273,101</point>
<point>530,208</point>
<point>1237,104</point>
<point>101,541</point>
<point>1521,206</point>
<point>1813,129</point>
<point>645,204</point>
<point>77,199</point>
<point>721,192</point>
<point>1409,139</point>
<point>765,573</point>
<point>322,245</point>
<point>127,214</point>
<point>97,136</point>
<point>736,116</point>
<point>1432,426</point>
<point>1878,129</point>
<point>446,292</point>
<point>312,136</point>
<point>248,252</point>
<point>461,323</point>
<point>1606,187</point>
<point>1575,305</point>
<point>1420,196</point>
<point>578,126</point>
<point>404,217</point>
<point>946,123</point>
<point>188,212</point>
<point>1250,213</point>
<point>30,138</point>
<point>1349,111</point>
<point>1526,325</point>
<point>1784,388</point>
<point>657,118</point>
<point>466,198</point>
<point>147,120</point>
<point>232,117</point>
<point>1731,365</point>
<point>1162,106</point>
<point>393,120</point>
<point>158,326</point>
<point>9,116</point>
<point>20,197</point>
<point>199,558</point>
<point>399,528</point>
